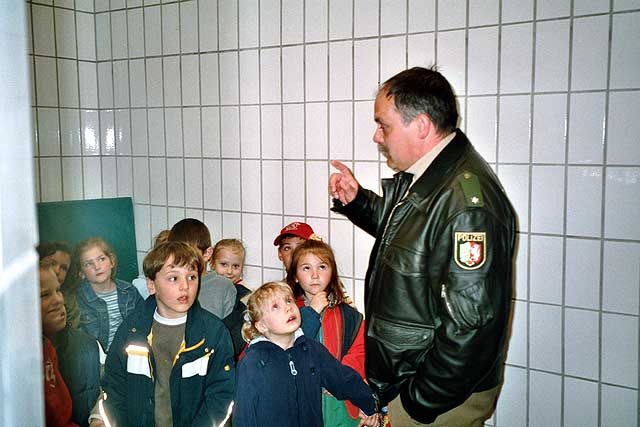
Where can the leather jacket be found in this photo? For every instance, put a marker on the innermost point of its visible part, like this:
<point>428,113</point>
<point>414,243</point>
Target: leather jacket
<point>439,284</point>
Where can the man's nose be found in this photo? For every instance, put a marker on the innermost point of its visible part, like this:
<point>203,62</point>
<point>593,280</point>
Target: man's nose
<point>377,136</point>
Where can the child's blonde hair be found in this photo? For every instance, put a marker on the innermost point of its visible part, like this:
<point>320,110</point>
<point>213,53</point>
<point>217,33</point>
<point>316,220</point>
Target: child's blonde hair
<point>258,298</point>
<point>235,245</point>
<point>99,242</point>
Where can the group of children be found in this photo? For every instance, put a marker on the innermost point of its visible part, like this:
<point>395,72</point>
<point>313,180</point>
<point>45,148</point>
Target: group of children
<point>298,344</point>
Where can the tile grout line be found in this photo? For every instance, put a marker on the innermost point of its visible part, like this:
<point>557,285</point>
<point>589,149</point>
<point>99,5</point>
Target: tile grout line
<point>146,129</point>
<point>58,103</point>
<point>603,219</point>
<point>563,316</point>
<point>78,87</point>
<point>240,135</point>
<point>35,132</point>
<point>529,213</point>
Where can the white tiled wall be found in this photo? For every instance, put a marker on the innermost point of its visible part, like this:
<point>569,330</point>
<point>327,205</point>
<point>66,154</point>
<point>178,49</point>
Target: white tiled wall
<point>228,111</point>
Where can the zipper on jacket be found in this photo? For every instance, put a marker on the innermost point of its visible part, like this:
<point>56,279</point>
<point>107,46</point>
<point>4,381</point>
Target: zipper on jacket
<point>384,233</point>
<point>292,368</point>
<point>447,303</point>
<point>294,373</point>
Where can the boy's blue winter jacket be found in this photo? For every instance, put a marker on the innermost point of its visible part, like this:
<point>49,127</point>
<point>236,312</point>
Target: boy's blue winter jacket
<point>202,380</point>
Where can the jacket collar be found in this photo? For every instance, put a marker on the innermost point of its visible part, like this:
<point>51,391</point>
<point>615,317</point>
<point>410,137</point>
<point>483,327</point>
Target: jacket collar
<point>193,329</point>
<point>297,334</point>
<point>90,295</point>
<point>442,166</point>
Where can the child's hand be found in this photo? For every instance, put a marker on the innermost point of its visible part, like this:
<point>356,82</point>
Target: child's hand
<point>369,420</point>
<point>319,301</point>
<point>96,423</point>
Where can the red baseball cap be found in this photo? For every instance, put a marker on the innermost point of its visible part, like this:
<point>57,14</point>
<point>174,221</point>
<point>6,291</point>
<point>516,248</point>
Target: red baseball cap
<point>300,229</point>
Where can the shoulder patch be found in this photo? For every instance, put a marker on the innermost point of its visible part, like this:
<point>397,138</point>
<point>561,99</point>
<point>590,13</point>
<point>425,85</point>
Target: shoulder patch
<point>471,189</point>
<point>470,249</point>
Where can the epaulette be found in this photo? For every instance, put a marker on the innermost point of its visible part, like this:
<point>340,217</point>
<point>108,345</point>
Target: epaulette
<point>471,189</point>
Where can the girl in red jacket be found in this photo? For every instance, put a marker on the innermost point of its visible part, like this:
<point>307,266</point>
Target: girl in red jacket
<point>313,275</point>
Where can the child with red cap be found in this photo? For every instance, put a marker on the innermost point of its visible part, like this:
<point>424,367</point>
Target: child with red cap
<point>290,237</point>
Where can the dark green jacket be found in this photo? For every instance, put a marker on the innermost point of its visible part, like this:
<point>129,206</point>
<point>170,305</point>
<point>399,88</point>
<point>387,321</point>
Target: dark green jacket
<point>439,284</point>
<point>202,381</point>
<point>79,363</point>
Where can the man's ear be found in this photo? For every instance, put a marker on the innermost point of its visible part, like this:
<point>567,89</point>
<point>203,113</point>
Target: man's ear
<point>425,125</point>
<point>151,286</point>
<point>206,255</point>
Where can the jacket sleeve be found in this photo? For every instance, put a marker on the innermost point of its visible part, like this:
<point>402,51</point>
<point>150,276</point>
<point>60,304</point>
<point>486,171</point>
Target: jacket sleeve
<point>229,299</point>
<point>355,355</point>
<point>246,396</point>
<point>234,322</point>
<point>220,383</point>
<point>114,382</point>
<point>343,382</point>
<point>365,211</point>
<point>473,297</point>
<point>310,322</point>
<point>90,359</point>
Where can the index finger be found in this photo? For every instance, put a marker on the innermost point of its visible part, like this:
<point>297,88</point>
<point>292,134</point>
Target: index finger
<point>341,167</point>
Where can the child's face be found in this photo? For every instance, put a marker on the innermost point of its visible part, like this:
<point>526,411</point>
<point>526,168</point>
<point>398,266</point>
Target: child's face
<point>175,288</point>
<point>286,248</point>
<point>229,263</point>
<point>60,262</point>
<point>313,274</point>
<point>96,266</point>
<point>52,311</point>
<point>280,317</point>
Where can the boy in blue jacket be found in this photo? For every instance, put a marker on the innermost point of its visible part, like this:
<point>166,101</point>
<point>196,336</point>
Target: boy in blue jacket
<point>282,375</point>
<point>171,362</point>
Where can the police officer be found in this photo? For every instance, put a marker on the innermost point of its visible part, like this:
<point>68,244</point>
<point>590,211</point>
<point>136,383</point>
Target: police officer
<point>439,283</point>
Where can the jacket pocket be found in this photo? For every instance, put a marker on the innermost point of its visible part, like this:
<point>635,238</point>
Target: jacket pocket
<point>467,302</point>
<point>404,261</point>
<point>400,347</point>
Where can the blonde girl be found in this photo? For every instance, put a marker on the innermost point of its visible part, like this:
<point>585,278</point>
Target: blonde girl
<point>103,300</point>
<point>283,373</point>
<point>227,260</point>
